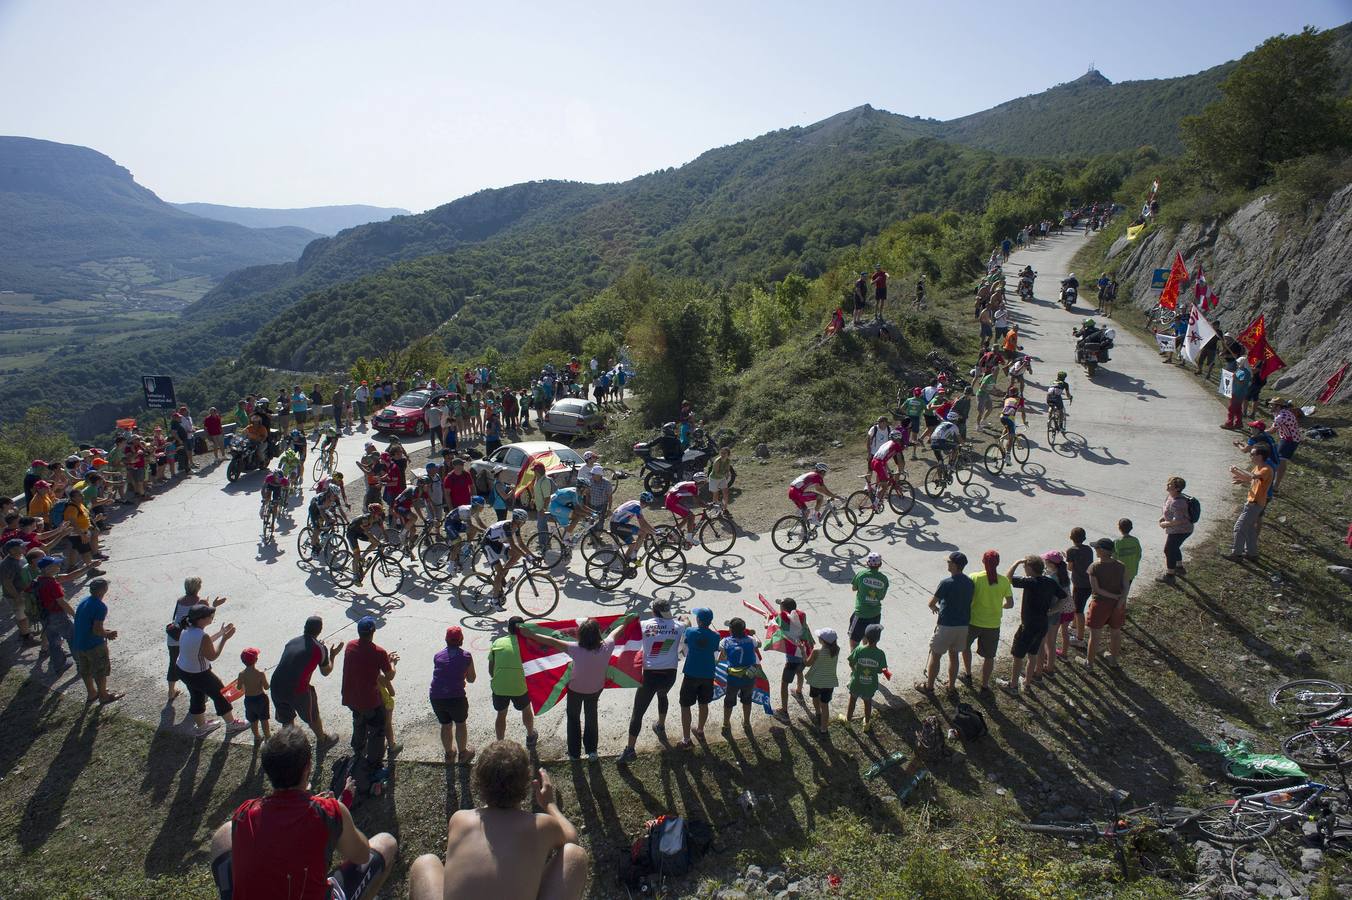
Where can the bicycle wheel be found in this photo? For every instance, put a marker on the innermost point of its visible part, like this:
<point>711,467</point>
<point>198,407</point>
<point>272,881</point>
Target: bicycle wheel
<point>789,533</point>
<point>595,541</point>
<point>340,567</point>
<point>305,547</point>
<point>667,534</point>
<point>1307,698</point>
<point>901,498</point>
<point>476,594</point>
<point>936,482</point>
<point>270,524</point>
<point>962,469</point>
<point>1051,432</point>
<point>318,470</point>
<point>717,535</point>
<point>1021,448</point>
<point>1320,747</point>
<point>860,505</point>
<point>839,525</point>
<point>436,561</point>
<point>1236,823</point>
<point>665,565</point>
<point>994,459</point>
<point>387,575</point>
<point>547,549</point>
<point>536,594</point>
<point>1260,782</point>
<point>606,569</point>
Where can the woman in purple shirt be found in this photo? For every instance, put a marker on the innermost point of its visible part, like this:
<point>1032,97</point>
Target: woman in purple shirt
<point>451,669</point>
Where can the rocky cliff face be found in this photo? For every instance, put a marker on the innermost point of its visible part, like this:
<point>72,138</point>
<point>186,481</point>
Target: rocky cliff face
<point>1297,273</point>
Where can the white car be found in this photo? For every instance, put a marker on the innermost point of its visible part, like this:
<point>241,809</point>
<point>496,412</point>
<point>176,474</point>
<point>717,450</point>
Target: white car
<point>503,466</point>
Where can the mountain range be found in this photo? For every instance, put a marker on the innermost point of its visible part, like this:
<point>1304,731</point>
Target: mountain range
<point>327,220</point>
<point>482,270</point>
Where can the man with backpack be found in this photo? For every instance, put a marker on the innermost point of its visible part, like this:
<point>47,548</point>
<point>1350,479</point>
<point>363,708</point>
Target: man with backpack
<point>1180,514</point>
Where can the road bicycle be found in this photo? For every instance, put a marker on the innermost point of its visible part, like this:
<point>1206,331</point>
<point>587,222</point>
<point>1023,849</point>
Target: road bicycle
<point>791,533</point>
<point>715,530</point>
<point>379,561</point>
<point>996,457</point>
<point>1056,425</point>
<point>442,559</point>
<point>325,464</point>
<point>554,550</point>
<point>271,513</point>
<point>1309,698</point>
<point>311,547</point>
<point>943,473</point>
<point>663,562</point>
<point>867,503</point>
<point>536,593</point>
<point>1138,837</point>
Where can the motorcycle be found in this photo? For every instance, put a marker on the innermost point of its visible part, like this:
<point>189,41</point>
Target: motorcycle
<point>244,459</point>
<point>1089,353</point>
<point>659,474</point>
<point>1026,287</point>
<point>1069,295</point>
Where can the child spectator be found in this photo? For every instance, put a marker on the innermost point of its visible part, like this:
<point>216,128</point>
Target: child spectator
<point>866,663</point>
<point>823,676</point>
<point>253,682</point>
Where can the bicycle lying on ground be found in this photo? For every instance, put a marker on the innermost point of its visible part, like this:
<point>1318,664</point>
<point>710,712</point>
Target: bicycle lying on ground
<point>1140,837</point>
<point>791,533</point>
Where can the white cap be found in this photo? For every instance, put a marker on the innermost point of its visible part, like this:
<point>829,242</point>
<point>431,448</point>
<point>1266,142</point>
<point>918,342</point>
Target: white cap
<point>826,635</point>
<point>597,470</point>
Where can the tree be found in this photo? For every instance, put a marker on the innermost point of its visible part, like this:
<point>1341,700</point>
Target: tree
<point>671,352</point>
<point>1279,103</point>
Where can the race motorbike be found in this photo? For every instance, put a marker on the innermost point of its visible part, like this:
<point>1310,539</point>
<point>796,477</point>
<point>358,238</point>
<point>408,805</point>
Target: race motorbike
<point>1069,294</point>
<point>1026,286</point>
<point>660,473</point>
<point>1092,348</point>
<point>244,459</point>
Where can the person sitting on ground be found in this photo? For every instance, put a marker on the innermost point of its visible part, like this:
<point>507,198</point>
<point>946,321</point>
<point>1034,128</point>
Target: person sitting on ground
<point>499,849</point>
<point>279,845</point>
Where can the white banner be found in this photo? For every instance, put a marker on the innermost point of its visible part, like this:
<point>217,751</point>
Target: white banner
<point>1166,341</point>
<point>1227,382</point>
<point>1200,333</point>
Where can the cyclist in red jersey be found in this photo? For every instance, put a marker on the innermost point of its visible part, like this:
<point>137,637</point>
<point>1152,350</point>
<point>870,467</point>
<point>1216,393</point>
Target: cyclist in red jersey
<point>801,491</point>
<point>893,451</point>
<point>280,845</point>
<point>681,499</point>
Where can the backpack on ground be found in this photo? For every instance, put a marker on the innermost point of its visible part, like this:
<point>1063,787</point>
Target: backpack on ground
<point>1194,508</point>
<point>931,740</point>
<point>969,721</point>
<point>668,846</point>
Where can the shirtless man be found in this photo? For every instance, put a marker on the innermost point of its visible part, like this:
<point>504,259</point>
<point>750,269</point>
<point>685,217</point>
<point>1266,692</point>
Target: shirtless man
<point>499,850</point>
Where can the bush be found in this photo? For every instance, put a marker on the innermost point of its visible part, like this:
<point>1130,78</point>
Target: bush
<point>1309,179</point>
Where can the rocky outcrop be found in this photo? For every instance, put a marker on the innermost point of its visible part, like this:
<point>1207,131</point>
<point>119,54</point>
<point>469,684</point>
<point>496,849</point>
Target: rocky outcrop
<point>1296,272</point>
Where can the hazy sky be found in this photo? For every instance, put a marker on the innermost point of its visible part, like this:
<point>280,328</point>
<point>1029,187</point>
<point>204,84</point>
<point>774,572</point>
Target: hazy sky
<point>296,103</point>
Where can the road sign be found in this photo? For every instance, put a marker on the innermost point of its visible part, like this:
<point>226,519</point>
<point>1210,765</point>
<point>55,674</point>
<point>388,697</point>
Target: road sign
<point>159,391</point>
<point>1158,279</point>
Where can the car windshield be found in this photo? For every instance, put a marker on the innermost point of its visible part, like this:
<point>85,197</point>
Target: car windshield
<point>568,456</point>
<point>413,399</point>
<point>572,406</point>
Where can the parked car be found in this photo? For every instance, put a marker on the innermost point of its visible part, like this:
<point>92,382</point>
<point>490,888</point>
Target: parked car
<point>573,416</point>
<point>406,416</point>
<point>503,465</point>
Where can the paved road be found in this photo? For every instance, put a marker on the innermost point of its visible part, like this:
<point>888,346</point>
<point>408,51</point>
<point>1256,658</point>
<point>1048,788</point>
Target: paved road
<point>1140,421</point>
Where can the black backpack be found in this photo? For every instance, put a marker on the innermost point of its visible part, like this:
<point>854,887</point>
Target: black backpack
<point>969,721</point>
<point>1194,508</point>
<point>668,846</point>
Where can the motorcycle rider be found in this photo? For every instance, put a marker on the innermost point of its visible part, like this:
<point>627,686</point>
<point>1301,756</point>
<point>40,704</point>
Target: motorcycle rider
<point>669,444</point>
<point>1070,281</point>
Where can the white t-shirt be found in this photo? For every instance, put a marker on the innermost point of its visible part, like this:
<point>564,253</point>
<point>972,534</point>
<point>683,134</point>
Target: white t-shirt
<point>944,431</point>
<point>190,651</point>
<point>877,436</point>
<point>661,643</point>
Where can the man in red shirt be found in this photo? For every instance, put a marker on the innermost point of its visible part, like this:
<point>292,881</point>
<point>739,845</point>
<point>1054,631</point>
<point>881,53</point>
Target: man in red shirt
<point>279,846</point>
<point>879,280</point>
<point>458,485</point>
<point>363,664</point>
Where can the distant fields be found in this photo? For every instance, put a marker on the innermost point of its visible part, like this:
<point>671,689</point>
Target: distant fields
<point>32,330</point>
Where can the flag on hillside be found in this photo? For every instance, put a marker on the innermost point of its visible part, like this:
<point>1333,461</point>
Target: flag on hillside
<point>1134,231</point>
<point>1177,275</point>
<point>1200,333</point>
<point>548,671</point>
<point>785,632</point>
<point>1199,288</point>
<point>1262,357</point>
<point>1331,386</point>
<point>1213,300</point>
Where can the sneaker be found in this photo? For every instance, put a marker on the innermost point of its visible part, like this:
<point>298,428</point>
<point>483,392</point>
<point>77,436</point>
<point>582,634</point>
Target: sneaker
<point>627,756</point>
<point>593,756</point>
<point>236,726</point>
<point>1179,570</point>
<point>532,739</point>
<point>1078,643</point>
<point>206,729</point>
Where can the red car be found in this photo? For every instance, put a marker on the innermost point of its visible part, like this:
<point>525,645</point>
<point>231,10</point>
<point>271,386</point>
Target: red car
<point>405,416</point>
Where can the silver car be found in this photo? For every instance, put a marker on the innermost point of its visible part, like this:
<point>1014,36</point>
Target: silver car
<point>502,467</point>
<point>573,416</point>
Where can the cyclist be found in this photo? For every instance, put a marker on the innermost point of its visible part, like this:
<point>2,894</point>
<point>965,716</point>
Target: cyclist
<point>290,463</point>
<point>274,486</point>
<point>945,440</point>
<point>893,451</point>
<point>406,510</point>
<point>676,505</point>
<point>361,529</point>
<point>296,441</point>
<point>801,492</point>
<point>503,548</point>
<point>1021,366</point>
<point>323,510</point>
<point>1007,413</point>
<point>334,480</point>
<point>1057,394</point>
<point>627,523</point>
<point>326,442</point>
<point>464,521</point>
<point>562,505</point>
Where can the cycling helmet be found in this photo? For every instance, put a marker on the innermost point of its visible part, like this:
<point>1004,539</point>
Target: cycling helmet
<point>820,467</point>
<point>1060,375</point>
<point>1071,275</point>
<point>432,467</point>
<point>376,508</point>
<point>1088,323</point>
<point>518,515</point>
<point>335,489</point>
<point>645,497</point>
<point>589,457</point>
<point>669,428</point>
<point>874,560</point>
<point>476,500</point>
<point>897,435</point>
<point>262,401</point>
<point>423,479</point>
<point>951,417</point>
<point>296,432</point>
<point>701,476</point>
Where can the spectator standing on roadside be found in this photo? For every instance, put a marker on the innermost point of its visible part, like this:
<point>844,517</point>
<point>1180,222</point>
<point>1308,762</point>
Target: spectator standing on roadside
<point>590,654</point>
<point>866,662</point>
<point>1239,394</point>
<point>452,668</point>
<point>192,586</point>
<point>1289,435</point>
<point>360,397</point>
<point>499,850</point>
<point>253,684</point>
<point>952,603</point>
<point>1079,557</point>
<point>870,587</point>
<point>89,642</point>
<point>1177,525</point>
<point>1108,607</point>
<point>293,694</point>
<point>14,585</point>
<point>507,678</point>
<point>738,649</point>
<point>196,651</point>
<point>215,431</point>
<point>1259,480</point>
<point>434,427</point>
<point>697,681</point>
<point>823,676</point>
<point>991,596</point>
<point>1127,550</point>
<point>365,661</point>
<point>1040,595</point>
<point>661,648</point>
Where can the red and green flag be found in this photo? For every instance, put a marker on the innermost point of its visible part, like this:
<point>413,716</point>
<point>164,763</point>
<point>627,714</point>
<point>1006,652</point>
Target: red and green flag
<point>548,671</point>
<point>1177,275</point>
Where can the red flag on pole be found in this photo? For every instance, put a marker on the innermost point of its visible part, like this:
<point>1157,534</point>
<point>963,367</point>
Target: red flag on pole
<point>1332,385</point>
<point>1213,300</point>
<point>1199,290</point>
<point>1177,275</point>
<point>1262,357</point>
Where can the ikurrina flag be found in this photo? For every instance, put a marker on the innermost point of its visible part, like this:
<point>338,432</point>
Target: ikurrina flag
<point>785,632</point>
<point>548,671</point>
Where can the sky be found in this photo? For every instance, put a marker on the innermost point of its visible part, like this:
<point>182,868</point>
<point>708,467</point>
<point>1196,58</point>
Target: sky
<point>401,103</point>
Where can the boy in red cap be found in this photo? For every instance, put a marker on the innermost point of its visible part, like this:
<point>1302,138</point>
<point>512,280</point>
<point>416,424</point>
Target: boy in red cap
<point>253,682</point>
